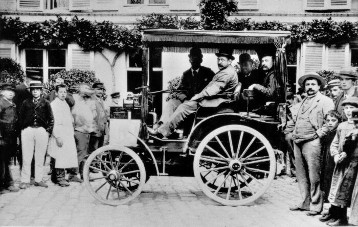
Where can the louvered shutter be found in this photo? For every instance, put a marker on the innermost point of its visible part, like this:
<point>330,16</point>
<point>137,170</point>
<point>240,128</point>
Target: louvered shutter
<point>183,5</point>
<point>312,57</point>
<point>79,59</point>
<point>77,5</point>
<point>337,57</point>
<point>8,5</point>
<point>314,4</point>
<point>31,5</point>
<point>340,4</point>
<point>7,50</point>
<point>248,4</point>
<point>111,5</point>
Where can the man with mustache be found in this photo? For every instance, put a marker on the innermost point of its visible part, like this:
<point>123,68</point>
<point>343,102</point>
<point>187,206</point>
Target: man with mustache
<point>308,130</point>
<point>223,81</point>
<point>347,82</point>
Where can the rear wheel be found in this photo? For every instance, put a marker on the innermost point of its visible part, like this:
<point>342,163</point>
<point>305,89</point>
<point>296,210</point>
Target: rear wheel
<point>234,165</point>
<point>114,175</point>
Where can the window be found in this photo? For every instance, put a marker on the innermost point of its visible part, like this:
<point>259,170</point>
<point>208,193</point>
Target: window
<point>93,5</point>
<point>31,5</point>
<point>354,57</point>
<point>291,53</point>
<point>155,80</point>
<point>57,4</point>
<point>44,62</point>
<point>327,4</point>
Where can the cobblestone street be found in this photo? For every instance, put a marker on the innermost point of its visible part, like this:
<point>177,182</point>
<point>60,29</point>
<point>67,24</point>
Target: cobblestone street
<point>165,201</point>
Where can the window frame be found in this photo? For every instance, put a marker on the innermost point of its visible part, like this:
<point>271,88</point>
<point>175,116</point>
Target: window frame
<point>327,6</point>
<point>145,3</point>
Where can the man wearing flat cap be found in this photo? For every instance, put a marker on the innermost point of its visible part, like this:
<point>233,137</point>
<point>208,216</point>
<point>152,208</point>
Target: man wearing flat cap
<point>334,89</point>
<point>308,130</point>
<point>192,82</point>
<point>348,80</point>
<point>224,81</point>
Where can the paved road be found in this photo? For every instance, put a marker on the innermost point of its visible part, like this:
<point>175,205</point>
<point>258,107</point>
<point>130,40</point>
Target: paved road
<point>165,201</point>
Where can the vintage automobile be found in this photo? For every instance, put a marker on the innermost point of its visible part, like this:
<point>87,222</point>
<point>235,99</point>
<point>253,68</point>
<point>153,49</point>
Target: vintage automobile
<point>230,153</point>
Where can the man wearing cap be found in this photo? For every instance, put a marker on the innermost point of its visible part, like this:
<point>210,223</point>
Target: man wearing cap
<point>269,89</point>
<point>306,135</point>
<point>192,82</point>
<point>36,123</point>
<point>334,88</point>
<point>52,95</point>
<point>8,120</point>
<point>115,96</point>
<point>224,81</point>
<point>347,83</point>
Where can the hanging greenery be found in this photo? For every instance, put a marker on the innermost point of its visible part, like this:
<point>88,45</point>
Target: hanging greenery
<point>214,14</point>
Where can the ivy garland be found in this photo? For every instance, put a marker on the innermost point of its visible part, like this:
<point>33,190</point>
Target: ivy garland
<point>97,36</point>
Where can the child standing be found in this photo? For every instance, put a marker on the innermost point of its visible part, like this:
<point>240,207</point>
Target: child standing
<point>332,120</point>
<point>345,170</point>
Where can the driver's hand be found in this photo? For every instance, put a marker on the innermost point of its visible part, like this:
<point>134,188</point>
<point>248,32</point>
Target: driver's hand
<point>252,87</point>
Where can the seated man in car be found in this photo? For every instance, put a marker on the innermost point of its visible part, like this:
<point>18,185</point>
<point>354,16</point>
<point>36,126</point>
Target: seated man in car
<point>192,82</point>
<point>224,81</point>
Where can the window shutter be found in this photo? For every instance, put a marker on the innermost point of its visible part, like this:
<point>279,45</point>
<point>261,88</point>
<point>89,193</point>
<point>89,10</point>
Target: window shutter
<point>111,5</point>
<point>31,5</point>
<point>183,5</point>
<point>314,4</point>
<point>247,4</point>
<point>8,5</point>
<point>77,5</point>
<point>337,57</point>
<point>340,4</point>
<point>312,57</point>
<point>7,50</point>
<point>79,59</point>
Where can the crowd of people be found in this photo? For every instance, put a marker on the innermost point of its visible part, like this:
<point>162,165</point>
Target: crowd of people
<point>320,134</point>
<point>66,127</point>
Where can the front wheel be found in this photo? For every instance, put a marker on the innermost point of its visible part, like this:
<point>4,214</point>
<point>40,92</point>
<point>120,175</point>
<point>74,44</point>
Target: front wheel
<point>234,165</point>
<point>114,175</point>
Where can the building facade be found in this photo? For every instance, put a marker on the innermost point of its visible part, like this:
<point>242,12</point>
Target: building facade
<point>307,57</point>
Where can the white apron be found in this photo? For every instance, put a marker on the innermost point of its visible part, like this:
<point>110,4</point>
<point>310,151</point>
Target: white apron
<point>66,156</point>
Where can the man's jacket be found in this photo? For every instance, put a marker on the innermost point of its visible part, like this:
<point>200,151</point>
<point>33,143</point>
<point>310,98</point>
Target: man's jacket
<point>8,121</point>
<point>195,84</point>
<point>321,104</point>
<point>43,112</point>
<point>225,80</point>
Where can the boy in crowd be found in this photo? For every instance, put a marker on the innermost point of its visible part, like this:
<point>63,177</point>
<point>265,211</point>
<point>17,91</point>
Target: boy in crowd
<point>332,120</point>
<point>345,172</point>
<point>62,146</point>
<point>8,118</point>
<point>36,124</point>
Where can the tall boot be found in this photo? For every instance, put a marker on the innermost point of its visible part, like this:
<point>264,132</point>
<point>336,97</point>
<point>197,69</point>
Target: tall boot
<point>341,217</point>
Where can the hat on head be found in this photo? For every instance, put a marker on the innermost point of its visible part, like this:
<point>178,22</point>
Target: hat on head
<point>335,82</point>
<point>98,85</point>
<point>116,95</point>
<point>225,52</point>
<point>355,114</point>
<point>36,85</point>
<point>244,57</point>
<point>195,52</point>
<point>351,101</point>
<point>8,86</point>
<point>311,75</point>
<point>349,74</point>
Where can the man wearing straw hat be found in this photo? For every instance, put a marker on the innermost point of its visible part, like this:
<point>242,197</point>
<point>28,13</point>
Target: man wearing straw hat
<point>307,144</point>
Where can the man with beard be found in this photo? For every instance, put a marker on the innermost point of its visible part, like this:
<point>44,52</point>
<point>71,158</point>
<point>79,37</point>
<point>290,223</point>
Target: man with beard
<point>307,143</point>
<point>347,79</point>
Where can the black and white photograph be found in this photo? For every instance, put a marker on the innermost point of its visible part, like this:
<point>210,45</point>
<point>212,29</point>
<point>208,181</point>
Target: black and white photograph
<point>213,113</point>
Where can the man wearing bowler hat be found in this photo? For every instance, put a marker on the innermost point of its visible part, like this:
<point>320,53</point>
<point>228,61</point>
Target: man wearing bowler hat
<point>306,135</point>
<point>247,74</point>
<point>193,81</point>
<point>348,80</point>
<point>36,123</point>
<point>224,81</point>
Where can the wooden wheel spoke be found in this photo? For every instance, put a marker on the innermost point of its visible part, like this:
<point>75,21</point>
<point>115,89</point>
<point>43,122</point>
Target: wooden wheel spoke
<point>126,188</point>
<point>229,190</point>
<point>129,172</point>
<point>253,153</point>
<point>118,192</point>
<point>212,160</point>
<point>104,164</point>
<point>215,152</point>
<point>97,178</point>
<point>257,170</point>
<point>247,147</point>
<point>222,146</point>
<point>100,187</point>
<point>254,178</point>
<point>257,161</point>
<point>239,144</point>
<point>110,159</point>
<point>238,186</point>
<point>119,160</point>
<point>214,179</point>
<point>125,165</point>
<point>92,167</point>
<point>109,190</point>
<point>231,145</point>
<point>213,169</point>
<point>218,189</point>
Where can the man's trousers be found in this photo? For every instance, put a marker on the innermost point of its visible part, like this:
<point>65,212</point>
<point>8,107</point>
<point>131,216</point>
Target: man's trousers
<point>169,108</point>
<point>82,143</point>
<point>6,152</point>
<point>179,115</point>
<point>34,144</point>
<point>308,171</point>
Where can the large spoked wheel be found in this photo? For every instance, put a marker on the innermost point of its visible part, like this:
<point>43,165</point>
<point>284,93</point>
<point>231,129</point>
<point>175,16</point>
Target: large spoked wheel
<point>114,175</point>
<point>234,165</point>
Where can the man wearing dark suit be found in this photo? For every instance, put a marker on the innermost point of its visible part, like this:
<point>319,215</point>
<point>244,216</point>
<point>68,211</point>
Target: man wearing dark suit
<point>224,81</point>
<point>192,82</point>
